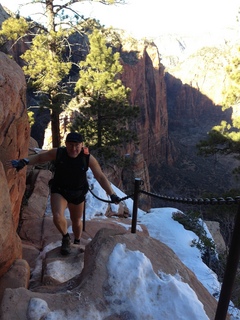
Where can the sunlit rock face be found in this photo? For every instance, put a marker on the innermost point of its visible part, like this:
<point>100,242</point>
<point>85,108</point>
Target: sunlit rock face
<point>144,74</point>
<point>14,140</point>
<point>14,127</point>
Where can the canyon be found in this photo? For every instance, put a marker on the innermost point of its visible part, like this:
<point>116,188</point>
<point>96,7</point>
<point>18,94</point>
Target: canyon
<point>177,109</point>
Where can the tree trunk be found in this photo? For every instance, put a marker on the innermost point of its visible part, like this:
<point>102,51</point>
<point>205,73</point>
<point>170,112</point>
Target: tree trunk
<point>55,129</point>
<point>99,129</point>
<point>50,16</point>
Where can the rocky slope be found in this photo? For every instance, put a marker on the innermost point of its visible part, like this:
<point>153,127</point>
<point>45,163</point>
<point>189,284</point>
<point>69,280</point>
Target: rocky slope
<point>37,284</point>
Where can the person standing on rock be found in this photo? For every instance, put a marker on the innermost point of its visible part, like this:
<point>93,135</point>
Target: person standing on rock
<point>69,184</point>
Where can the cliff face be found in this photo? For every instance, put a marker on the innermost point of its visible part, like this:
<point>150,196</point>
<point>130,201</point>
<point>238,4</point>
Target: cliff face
<point>145,77</point>
<point>177,111</point>
<point>15,130</point>
<point>14,138</point>
<point>194,95</point>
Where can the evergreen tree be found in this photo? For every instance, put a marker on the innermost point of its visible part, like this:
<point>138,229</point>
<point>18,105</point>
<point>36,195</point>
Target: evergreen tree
<point>46,69</point>
<point>105,112</point>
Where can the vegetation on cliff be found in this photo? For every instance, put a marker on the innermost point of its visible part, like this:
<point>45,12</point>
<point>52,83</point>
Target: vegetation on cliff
<point>224,138</point>
<point>103,99</point>
<point>49,63</point>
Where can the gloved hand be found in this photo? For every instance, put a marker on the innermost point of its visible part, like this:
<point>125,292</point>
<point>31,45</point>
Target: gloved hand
<point>19,164</point>
<point>115,198</point>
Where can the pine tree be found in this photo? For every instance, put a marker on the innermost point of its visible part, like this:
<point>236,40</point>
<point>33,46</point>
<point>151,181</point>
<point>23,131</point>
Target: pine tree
<point>105,114</point>
<point>46,69</point>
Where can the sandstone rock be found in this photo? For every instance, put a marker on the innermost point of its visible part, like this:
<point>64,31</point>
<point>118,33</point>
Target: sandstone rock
<point>15,130</point>
<point>59,269</point>
<point>16,277</point>
<point>31,231</point>
<point>90,287</point>
<point>37,202</point>
<point>214,229</point>
<point>150,95</point>
<point>30,254</point>
<point>32,214</point>
<point>122,211</point>
<point>10,243</point>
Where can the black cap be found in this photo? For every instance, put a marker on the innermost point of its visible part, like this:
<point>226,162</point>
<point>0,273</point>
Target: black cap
<point>74,137</point>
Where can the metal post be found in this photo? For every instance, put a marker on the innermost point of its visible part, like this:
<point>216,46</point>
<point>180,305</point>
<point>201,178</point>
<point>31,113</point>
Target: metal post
<point>84,215</point>
<point>135,204</point>
<point>230,271</point>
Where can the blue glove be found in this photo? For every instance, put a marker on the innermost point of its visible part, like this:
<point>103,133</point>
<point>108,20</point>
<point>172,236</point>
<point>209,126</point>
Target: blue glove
<point>115,198</point>
<point>19,164</point>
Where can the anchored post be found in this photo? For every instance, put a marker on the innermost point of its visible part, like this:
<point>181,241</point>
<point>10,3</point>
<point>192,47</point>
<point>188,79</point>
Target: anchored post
<point>230,271</point>
<point>135,204</point>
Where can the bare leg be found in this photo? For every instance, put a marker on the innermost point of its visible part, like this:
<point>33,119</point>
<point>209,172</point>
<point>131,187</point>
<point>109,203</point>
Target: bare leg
<point>58,205</point>
<point>76,212</point>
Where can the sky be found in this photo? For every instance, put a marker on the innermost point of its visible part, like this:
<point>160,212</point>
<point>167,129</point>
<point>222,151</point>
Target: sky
<point>179,301</point>
<point>154,17</point>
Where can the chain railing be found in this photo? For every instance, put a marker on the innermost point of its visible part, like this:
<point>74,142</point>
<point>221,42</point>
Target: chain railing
<point>234,251</point>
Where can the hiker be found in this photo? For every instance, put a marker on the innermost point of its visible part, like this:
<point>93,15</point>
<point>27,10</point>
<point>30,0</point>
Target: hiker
<point>69,184</point>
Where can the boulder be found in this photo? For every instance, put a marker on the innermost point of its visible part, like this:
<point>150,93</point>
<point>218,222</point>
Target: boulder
<point>30,229</point>
<point>17,276</point>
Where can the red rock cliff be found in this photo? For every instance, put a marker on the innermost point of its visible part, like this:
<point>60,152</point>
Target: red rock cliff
<point>14,141</point>
<point>145,77</point>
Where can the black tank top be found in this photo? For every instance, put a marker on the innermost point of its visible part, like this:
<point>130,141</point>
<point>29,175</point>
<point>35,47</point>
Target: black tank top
<point>70,173</point>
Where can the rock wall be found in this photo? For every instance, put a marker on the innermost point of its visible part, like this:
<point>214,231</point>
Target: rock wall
<point>145,76</point>
<point>14,140</point>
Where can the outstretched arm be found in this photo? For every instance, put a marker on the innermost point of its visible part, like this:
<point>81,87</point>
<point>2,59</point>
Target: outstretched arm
<point>41,157</point>
<point>102,179</point>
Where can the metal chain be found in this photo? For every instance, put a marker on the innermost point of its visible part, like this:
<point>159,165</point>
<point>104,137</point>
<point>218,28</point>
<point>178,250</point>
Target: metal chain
<point>213,201</point>
<point>205,201</point>
<point>108,201</point>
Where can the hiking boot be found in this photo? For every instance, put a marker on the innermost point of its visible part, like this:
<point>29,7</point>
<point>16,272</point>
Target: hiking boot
<point>66,245</point>
<point>76,241</point>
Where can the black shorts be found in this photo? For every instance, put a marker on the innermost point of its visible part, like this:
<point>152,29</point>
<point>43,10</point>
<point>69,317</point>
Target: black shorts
<point>72,196</point>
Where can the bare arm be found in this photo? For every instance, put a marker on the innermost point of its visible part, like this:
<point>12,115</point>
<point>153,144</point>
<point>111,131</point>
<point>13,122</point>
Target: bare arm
<point>43,156</point>
<point>99,175</point>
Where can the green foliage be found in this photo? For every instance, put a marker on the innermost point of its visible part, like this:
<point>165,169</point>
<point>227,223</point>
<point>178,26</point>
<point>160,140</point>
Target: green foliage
<point>31,118</point>
<point>98,74</point>
<point>12,28</point>
<point>105,112</point>
<point>233,92</point>
<point>45,66</point>
<point>222,139</point>
<point>192,222</point>
<point>225,137</point>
